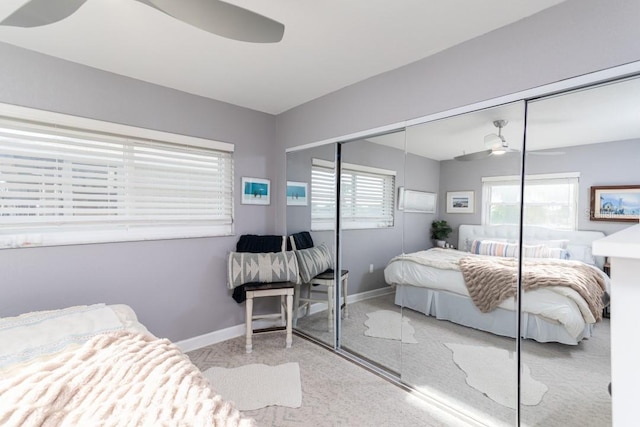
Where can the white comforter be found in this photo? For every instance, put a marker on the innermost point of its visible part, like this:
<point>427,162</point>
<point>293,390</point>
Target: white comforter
<point>438,269</point>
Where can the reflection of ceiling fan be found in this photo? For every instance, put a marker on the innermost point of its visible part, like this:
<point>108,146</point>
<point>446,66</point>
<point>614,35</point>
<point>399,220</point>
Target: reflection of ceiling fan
<point>496,145</point>
<point>214,16</point>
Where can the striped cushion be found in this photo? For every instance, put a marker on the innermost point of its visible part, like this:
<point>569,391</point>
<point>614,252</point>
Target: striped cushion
<point>493,248</point>
<point>314,261</point>
<point>269,267</point>
<point>511,250</point>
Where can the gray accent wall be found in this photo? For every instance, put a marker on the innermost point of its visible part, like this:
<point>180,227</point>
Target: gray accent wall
<point>177,287</point>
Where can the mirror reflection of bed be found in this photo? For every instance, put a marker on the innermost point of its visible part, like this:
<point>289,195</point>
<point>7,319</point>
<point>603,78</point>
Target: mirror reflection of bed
<point>478,277</point>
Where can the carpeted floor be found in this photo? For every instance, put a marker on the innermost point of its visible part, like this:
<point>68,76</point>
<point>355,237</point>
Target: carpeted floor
<point>335,391</point>
<point>577,376</point>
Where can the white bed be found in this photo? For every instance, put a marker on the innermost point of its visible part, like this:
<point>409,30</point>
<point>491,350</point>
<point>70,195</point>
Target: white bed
<point>550,314</point>
<point>97,365</point>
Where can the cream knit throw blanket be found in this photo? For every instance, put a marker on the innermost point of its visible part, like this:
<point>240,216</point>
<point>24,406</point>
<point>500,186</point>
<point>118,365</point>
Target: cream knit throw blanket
<point>492,280</point>
<point>114,379</point>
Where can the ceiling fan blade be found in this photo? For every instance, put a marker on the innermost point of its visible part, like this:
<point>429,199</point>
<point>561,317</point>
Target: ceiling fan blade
<point>222,18</point>
<point>42,12</point>
<point>474,156</point>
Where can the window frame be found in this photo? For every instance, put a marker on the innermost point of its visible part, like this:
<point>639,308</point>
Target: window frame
<point>488,182</point>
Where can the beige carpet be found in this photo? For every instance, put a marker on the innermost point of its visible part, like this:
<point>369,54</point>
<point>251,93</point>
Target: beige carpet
<point>335,391</point>
<point>257,385</point>
<point>577,376</point>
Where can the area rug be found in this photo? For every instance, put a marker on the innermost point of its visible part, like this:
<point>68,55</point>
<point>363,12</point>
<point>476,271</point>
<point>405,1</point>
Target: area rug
<point>389,325</point>
<point>257,386</point>
<point>493,371</point>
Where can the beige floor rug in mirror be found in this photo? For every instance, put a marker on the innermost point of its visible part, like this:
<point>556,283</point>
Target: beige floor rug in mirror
<point>499,386</point>
<point>389,325</point>
<point>257,386</point>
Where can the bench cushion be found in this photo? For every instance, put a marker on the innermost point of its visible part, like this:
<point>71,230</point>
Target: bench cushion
<point>314,261</point>
<point>245,267</point>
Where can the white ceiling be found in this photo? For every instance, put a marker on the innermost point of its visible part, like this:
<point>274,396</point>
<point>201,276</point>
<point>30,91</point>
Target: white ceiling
<point>327,45</point>
<point>605,113</point>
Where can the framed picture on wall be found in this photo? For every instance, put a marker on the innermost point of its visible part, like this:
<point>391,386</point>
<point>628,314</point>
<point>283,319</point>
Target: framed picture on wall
<point>256,191</point>
<point>615,203</point>
<point>460,202</point>
<point>297,194</point>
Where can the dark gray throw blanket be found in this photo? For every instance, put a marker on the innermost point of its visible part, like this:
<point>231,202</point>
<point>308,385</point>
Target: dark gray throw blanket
<point>491,280</point>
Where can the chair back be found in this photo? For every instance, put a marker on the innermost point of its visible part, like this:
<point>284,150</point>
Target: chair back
<point>298,241</point>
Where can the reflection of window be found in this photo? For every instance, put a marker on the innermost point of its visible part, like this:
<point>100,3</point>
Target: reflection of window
<point>63,185</point>
<point>367,196</point>
<point>549,200</point>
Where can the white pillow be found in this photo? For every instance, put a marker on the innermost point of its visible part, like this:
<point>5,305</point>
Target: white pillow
<point>560,243</point>
<point>581,253</point>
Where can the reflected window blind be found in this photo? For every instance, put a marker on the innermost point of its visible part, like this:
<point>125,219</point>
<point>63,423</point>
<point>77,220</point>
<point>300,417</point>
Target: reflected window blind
<point>56,179</point>
<point>367,195</point>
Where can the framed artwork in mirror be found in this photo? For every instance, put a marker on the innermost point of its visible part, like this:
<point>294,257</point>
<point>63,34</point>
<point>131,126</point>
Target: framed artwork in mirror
<point>297,193</point>
<point>256,191</point>
<point>615,203</point>
<point>460,202</point>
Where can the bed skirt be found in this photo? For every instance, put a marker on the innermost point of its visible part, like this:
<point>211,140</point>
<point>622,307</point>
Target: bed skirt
<point>459,309</point>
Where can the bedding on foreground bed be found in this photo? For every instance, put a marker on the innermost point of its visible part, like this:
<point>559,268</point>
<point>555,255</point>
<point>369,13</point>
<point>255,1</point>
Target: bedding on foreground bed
<point>96,365</point>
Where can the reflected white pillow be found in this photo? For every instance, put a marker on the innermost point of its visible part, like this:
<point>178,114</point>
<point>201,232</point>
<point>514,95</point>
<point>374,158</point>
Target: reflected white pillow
<point>581,253</point>
<point>559,243</point>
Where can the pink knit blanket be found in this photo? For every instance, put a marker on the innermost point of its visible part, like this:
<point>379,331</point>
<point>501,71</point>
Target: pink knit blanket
<point>114,379</point>
<point>491,280</point>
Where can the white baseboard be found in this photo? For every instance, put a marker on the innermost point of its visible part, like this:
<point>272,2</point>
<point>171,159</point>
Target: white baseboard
<point>220,335</point>
<point>369,294</point>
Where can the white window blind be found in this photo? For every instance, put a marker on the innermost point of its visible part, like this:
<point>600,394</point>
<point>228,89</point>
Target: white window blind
<point>367,196</point>
<point>60,185</point>
<point>550,200</point>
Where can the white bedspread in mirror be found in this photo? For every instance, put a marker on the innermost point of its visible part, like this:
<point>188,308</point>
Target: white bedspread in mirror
<point>437,288</point>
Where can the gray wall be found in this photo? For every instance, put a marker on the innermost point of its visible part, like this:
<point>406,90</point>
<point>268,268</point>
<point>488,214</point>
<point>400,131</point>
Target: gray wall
<point>177,287</point>
<point>609,163</point>
<point>571,39</point>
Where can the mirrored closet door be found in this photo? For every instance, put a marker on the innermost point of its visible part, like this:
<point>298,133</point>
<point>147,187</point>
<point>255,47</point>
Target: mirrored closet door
<point>372,170</point>
<point>448,230</point>
<point>311,207</point>
<point>582,151</point>
<point>460,341</point>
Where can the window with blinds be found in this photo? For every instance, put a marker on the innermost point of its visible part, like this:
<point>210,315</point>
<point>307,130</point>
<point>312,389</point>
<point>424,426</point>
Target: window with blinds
<point>550,200</point>
<point>367,196</point>
<point>62,185</point>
